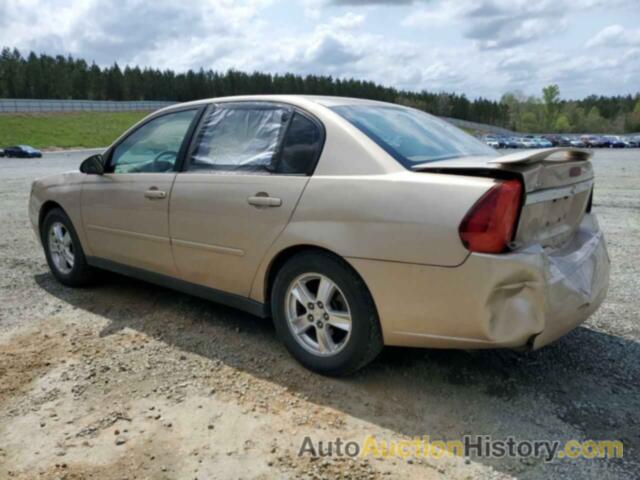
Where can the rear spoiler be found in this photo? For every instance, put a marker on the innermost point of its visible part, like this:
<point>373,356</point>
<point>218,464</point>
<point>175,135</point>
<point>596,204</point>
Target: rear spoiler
<point>539,155</point>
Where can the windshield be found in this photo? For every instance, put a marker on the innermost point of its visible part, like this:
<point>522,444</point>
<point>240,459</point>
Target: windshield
<point>411,136</point>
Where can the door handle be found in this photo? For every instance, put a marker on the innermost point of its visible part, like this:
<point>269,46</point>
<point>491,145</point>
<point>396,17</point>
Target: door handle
<point>155,194</point>
<point>264,200</point>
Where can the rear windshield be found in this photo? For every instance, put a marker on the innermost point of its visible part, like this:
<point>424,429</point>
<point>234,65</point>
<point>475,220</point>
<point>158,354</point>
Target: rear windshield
<point>411,136</point>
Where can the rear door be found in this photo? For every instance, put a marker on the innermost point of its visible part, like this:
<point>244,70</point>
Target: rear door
<point>125,211</point>
<point>247,167</point>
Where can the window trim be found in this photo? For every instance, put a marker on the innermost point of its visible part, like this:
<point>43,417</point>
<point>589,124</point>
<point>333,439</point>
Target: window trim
<point>293,109</point>
<point>186,141</point>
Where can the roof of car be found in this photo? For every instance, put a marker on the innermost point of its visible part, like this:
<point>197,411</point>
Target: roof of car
<point>327,101</point>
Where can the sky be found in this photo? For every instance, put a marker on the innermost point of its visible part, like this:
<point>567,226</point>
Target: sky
<point>476,47</point>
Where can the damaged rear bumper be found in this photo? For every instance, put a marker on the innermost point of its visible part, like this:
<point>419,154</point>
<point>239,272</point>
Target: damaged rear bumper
<point>523,299</point>
<point>577,282</point>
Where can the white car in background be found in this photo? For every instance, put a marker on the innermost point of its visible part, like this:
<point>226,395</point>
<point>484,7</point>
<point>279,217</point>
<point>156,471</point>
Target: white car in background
<point>491,141</point>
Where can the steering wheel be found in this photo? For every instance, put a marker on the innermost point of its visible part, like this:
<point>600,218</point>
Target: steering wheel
<point>155,163</point>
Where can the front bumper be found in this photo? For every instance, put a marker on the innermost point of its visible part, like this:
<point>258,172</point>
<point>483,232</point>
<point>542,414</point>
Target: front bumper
<point>526,298</point>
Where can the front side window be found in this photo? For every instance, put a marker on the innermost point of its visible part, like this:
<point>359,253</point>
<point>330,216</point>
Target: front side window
<point>411,136</point>
<point>240,138</point>
<point>154,147</point>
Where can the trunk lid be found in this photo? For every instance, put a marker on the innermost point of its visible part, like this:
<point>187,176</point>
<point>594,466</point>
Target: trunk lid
<point>557,187</point>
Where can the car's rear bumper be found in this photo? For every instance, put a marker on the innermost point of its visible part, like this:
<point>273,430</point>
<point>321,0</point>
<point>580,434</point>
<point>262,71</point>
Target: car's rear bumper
<point>526,298</point>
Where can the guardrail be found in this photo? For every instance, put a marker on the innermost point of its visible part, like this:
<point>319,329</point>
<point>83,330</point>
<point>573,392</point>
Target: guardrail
<point>478,126</point>
<point>20,105</point>
<point>23,105</point>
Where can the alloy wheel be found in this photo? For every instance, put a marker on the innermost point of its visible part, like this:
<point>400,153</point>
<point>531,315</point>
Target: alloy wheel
<point>318,314</point>
<point>61,248</point>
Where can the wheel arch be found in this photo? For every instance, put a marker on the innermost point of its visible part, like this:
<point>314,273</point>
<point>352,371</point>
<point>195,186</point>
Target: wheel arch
<point>45,209</point>
<point>282,257</point>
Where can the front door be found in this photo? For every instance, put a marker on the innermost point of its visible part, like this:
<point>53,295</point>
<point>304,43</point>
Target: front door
<point>125,212</point>
<point>246,171</point>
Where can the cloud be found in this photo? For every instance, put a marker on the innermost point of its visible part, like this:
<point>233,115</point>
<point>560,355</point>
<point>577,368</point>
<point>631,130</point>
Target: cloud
<point>330,50</point>
<point>495,24</point>
<point>152,33</point>
<point>500,24</point>
<point>371,2</point>
<point>615,36</point>
<point>508,33</point>
<point>349,20</point>
<point>477,47</point>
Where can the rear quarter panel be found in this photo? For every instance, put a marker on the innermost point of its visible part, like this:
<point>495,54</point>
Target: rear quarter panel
<point>398,217</point>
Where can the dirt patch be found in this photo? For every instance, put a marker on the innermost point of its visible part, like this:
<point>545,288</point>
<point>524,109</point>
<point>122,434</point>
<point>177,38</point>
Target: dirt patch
<point>24,358</point>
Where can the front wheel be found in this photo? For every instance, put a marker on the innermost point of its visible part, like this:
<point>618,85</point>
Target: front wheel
<point>324,314</point>
<point>62,248</point>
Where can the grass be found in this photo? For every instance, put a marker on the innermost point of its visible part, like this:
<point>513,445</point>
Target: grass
<point>65,130</point>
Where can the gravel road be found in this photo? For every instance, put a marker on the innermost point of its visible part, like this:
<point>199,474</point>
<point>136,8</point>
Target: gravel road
<point>129,380</point>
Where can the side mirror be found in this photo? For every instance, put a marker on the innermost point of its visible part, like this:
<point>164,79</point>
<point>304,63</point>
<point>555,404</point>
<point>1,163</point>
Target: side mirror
<point>93,165</point>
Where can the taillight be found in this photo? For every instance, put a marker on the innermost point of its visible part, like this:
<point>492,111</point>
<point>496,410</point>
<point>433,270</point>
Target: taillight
<point>490,224</point>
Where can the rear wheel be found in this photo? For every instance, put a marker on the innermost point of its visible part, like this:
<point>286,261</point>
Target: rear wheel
<point>324,314</point>
<point>62,248</point>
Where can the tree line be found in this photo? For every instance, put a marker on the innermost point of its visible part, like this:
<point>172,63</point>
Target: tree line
<point>65,77</point>
<point>549,113</point>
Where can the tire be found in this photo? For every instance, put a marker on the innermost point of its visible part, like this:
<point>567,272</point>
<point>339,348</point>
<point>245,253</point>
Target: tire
<point>349,297</point>
<point>77,273</point>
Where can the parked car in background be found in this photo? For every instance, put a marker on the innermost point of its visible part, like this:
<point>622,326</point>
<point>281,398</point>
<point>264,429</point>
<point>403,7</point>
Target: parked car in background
<point>554,140</point>
<point>542,142</point>
<point>592,141</point>
<point>631,142</point>
<point>520,142</point>
<point>512,142</point>
<point>491,141</point>
<point>563,142</point>
<point>615,141</point>
<point>1,152</point>
<point>528,142</point>
<point>303,209</point>
<point>576,142</point>
<point>22,151</point>
<point>606,142</point>
<point>502,141</point>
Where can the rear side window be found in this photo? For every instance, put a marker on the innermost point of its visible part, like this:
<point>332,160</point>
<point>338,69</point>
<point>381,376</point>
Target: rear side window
<point>411,136</point>
<point>240,138</point>
<point>301,146</point>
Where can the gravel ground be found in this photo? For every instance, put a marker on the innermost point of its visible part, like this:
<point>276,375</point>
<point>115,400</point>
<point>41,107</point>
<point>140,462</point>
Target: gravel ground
<point>129,380</point>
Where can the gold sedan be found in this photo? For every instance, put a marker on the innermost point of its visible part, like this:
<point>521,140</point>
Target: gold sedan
<point>353,223</point>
